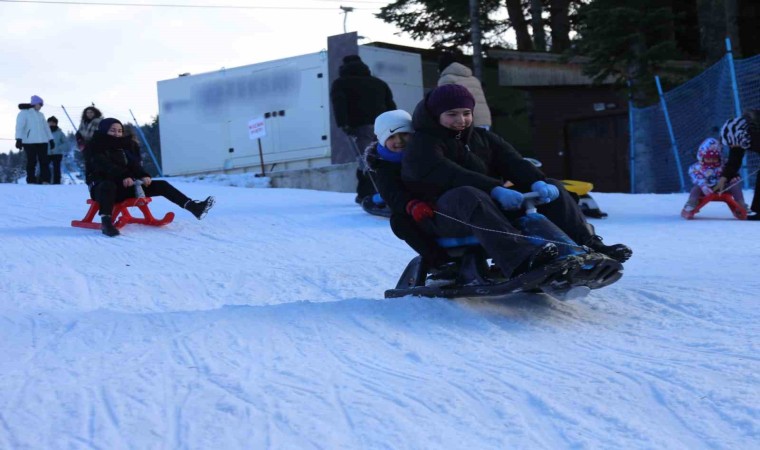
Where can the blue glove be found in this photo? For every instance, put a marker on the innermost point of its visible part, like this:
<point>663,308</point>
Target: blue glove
<point>507,198</point>
<point>546,192</point>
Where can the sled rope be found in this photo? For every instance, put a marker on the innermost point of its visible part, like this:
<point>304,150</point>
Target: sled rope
<point>736,182</point>
<point>507,232</point>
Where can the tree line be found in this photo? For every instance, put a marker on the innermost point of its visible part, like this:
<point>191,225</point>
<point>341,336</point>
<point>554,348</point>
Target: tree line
<point>628,40</point>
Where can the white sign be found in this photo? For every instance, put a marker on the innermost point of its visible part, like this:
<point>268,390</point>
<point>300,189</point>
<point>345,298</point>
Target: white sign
<point>257,128</point>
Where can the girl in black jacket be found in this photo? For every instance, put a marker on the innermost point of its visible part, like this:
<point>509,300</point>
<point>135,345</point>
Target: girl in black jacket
<point>447,154</point>
<point>113,163</point>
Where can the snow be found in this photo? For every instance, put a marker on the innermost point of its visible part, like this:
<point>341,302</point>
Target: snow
<point>264,326</point>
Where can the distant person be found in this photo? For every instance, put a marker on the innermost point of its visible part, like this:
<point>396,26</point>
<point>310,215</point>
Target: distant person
<point>705,174</point>
<point>34,136</point>
<point>113,163</point>
<point>357,99</point>
<point>88,125</point>
<point>453,72</point>
<point>56,152</point>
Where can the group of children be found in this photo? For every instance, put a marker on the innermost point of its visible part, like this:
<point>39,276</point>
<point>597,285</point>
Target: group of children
<point>442,177</point>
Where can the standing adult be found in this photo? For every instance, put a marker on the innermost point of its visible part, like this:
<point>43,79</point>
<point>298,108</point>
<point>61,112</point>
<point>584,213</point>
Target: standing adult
<point>88,125</point>
<point>33,135</point>
<point>357,99</point>
<point>56,152</point>
<point>741,134</point>
<point>453,72</point>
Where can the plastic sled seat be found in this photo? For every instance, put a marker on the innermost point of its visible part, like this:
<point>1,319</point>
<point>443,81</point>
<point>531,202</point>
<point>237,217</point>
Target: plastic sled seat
<point>121,215</point>
<point>736,209</point>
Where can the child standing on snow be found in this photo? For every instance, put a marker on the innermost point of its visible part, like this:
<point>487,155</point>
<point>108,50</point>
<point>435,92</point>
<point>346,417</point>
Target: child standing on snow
<point>705,174</point>
<point>56,152</point>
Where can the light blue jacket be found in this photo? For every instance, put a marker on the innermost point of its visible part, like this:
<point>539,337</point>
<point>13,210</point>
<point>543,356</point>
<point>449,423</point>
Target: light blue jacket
<point>61,143</point>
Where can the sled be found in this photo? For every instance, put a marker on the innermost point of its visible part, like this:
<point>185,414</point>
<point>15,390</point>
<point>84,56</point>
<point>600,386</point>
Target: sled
<point>122,216</point>
<point>736,209</point>
<point>375,205</point>
<point>572,275</point>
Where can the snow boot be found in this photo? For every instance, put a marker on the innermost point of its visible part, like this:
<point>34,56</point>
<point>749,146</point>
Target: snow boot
<point>199,208</point>
<point>752,215</point>
<point>618,252</point>
<point>106,226</point>
<point>545,254</point>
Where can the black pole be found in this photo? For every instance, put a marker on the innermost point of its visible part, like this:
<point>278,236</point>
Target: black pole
<point>261,157</point>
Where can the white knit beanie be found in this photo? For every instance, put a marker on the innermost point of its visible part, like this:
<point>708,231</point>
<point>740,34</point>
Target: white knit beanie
<point>392,122</point>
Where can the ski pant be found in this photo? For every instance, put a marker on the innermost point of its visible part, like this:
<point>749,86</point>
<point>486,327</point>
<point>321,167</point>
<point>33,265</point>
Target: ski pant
<point>475,207</point>
<point>37,153</point>
<point>56,160</point>
<point>567,215</point>
<point>406,229</point>
<point>362,136</point>
<point>756,197</point>
<point>108,193</point>
<point>696,194</point>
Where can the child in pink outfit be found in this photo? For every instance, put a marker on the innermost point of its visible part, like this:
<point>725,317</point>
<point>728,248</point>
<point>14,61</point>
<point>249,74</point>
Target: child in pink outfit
<point>705,174</point>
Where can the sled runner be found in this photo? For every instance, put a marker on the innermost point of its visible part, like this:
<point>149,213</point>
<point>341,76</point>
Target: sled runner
<point>121,215</point>
<point>736,209</point>
<point>572,275</point>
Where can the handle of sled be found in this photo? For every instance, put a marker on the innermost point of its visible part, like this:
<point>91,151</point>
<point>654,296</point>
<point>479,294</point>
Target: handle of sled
<point>529,201</point>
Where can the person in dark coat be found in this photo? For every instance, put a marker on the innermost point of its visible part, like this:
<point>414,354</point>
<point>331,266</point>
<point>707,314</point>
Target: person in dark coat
<point>357,99</point>
<point>459,168</point>
<point>741,134</point>
<point>383,159</point>
<point>113,163</point>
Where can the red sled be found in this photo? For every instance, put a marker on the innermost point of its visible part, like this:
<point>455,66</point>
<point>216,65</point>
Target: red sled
<point>121,215</point>
<point>736,209</point>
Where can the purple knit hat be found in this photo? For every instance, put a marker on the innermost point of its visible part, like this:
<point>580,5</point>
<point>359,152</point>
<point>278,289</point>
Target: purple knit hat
<point>36,100</point>
<point>449,96</point>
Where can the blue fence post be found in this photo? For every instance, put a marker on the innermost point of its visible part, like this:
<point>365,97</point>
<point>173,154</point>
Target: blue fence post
<point>737,103</point>
<point>670,132</point>
<point>631,143</point>
<point>147,146</point>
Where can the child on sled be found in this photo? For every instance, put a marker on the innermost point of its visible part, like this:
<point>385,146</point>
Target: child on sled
<point>705,174</point>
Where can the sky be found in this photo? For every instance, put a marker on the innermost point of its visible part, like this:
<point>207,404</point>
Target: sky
<point>77,54</point>
<point>263,326</point>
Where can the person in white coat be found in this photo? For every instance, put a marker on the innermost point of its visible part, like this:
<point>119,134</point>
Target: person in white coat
<point>453,72</point>
<point>34,136</point>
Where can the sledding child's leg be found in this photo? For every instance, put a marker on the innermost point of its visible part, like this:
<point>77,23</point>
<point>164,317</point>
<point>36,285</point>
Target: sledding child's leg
<point>694,196</point>
<point>502,241</point>
<point>736,192</point>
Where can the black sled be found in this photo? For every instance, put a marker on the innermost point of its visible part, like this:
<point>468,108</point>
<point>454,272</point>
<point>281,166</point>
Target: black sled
<point>576,271</point>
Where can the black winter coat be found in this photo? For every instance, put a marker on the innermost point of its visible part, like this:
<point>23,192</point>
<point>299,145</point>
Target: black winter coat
<point>112,158</point>
<point>736,154</point>
<point>437,159</point>
<point>387,176</point>
<point>358,97</point>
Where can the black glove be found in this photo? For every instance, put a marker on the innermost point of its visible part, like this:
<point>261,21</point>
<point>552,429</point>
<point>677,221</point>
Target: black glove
<point>52,144</point>
<point>18,144</point>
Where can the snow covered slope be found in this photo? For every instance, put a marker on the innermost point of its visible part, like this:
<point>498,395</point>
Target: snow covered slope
<point>264,326</point>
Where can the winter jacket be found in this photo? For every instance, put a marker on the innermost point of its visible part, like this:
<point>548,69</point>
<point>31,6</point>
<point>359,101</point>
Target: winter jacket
<point>358,97</point>
<point>750,135</point>
<point>31,126</point>
<point>60,142</point>
<point>460,74</point>
<point>437,159</point>
<point>387,176</point>
<point>109,158</point>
